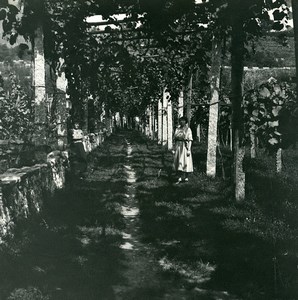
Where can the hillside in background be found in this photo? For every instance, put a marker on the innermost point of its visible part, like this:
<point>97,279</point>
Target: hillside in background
<point>9,54</point>
<point>272,50</point>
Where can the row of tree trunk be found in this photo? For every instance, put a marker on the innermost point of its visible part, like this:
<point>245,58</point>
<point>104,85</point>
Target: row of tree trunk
<point>40,136</point>
<point>41,110</point>
<point>159,120</point>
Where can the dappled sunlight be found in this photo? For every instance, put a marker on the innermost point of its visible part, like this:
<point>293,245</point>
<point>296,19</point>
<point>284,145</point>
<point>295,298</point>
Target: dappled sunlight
<point>130,212</point>
<point>127,246</point>
<point>196,273</point>
<point>128,232</point>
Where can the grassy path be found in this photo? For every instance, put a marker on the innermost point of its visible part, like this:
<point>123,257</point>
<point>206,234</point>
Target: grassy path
<point>127,232</point>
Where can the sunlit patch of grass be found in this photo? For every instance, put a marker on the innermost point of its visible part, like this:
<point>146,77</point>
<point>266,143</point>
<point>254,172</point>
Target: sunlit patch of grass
<point>96,233</point>
<point>80,260</point>
<point>170,243</point>
<point>30,293</point>
<point>151,183</point>
<point>195,273</point>
<point>201,198</point>
<point>250,219</point>
<point>264,228</point>
<point>176,209</point>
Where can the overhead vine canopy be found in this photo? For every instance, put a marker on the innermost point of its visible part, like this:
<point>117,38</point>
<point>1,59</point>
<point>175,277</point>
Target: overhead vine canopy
<point>158,43</point>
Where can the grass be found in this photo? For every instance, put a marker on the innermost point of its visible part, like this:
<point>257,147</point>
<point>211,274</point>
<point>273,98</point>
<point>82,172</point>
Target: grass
<point>250,246</point>
<point>192,241</point>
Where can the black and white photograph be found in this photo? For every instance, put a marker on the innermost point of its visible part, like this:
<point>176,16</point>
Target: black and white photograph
<point>148,150</point>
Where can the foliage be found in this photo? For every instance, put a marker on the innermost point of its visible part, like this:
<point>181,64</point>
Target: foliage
<point>267,112</point>
<point>30,293</point>
<point>15,114</point>
<point>160,44</point>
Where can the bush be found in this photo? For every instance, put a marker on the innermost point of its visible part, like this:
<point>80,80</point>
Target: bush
<point>15,113</point>
<point>30,293</point>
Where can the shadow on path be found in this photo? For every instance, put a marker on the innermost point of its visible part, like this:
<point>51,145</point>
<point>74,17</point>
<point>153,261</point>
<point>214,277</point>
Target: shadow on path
<point>127,232</point>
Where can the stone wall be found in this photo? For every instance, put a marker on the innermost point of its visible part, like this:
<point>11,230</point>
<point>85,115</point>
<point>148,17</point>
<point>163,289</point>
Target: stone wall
<point>10,154</point>
<point>22,190</point>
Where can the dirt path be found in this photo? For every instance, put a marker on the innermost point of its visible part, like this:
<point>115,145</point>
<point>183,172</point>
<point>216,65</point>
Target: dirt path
<point>125,232</point>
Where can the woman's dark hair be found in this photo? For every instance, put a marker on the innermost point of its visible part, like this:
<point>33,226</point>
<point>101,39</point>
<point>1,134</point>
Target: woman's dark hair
<point>183,119</point>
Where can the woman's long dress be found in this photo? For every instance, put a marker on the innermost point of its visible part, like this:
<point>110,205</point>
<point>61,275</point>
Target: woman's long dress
<point>182,162</point>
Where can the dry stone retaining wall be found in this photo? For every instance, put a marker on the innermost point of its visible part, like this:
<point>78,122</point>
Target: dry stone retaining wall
<point>22,190</point>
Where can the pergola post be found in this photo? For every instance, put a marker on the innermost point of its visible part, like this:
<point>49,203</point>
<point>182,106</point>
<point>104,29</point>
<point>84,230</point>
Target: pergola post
<point>159,121</point>
<point>213,108</point>
<point>181,104</point>
<point>189,99</point>
<point>150,133</point>
<point>164,117</point>
<point>39,83</point>
<point>61,85</point>
<point>170,124</point>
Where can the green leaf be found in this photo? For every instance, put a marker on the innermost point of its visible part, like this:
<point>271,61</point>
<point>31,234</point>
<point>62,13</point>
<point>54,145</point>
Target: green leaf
<point>2,14</point>
<point>278,15</point>
<point>255,113</point>
<point>273,141</point>
<point>276,110</point>
<point>273,124</point>
<point>277,26</point>
<point>264,92</point>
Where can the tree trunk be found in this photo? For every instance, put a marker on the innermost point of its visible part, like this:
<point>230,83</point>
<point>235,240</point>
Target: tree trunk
<point>150,122</point>
<point>153,122</point>
<point>189,100</point>
<point>279,160</point>
<point>181,104</point>
<point>61,85</point>
<point>159,122</point>
<point>85,116</point>
<point>170,125</point>
<point>295,20</point>
<point>239,173</point>
<point>164,118</point>
<point>108,122</point>
<point>199,132</point>
<point>230,137</point>
<point>39,79</point>
<point>213,108</point>
<point>253,152</point>
<point>237,60</point>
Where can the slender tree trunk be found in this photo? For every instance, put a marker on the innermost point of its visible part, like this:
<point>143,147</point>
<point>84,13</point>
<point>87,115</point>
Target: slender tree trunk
<point>61,85</point>
<point>213,108</point>
<point>153,129</point>
<point>181,104</point>
<point>150,122</point>
<point>39,79</point>
<point>237,60</point>
<point>199,132</point>
<point>170,125</point>
<point>238,169</point>
<point>159,122</point>
<point>164,118</point>
<point>279,160</point>
<point>85,116</point>
<point>108,122</point>
<point>113,122</point>
<point>189,99</point>
<point>230,137</point>
<point>122,121</point>
<point>295,20</point>
<point>253,152</point>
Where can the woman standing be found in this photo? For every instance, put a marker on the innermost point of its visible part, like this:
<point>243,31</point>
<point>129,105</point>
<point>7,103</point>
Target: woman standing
<point>78,152</point>
<point>183,163</point>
